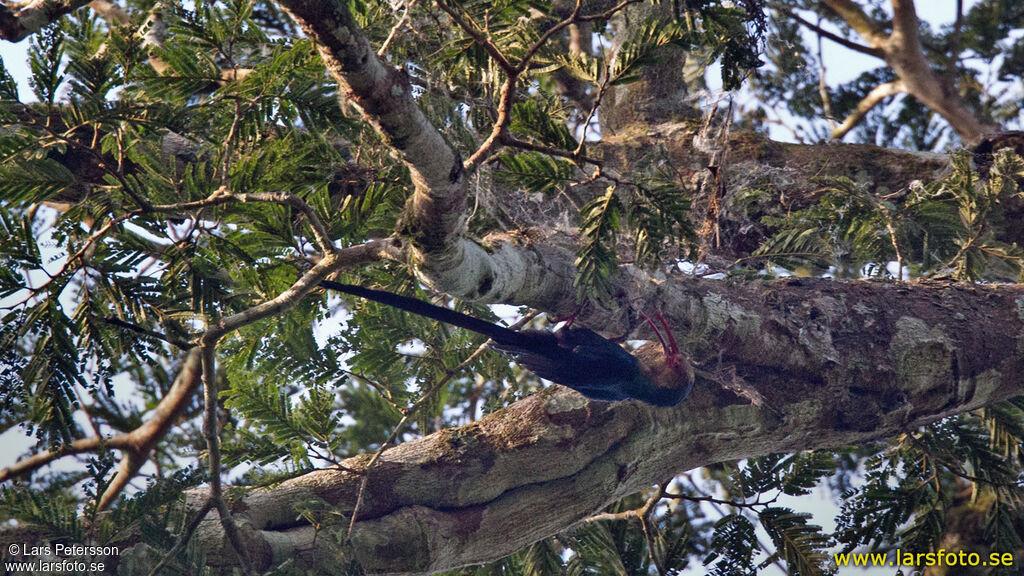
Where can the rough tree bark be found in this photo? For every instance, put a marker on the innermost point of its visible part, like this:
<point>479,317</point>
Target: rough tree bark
<point>837,363</point>
<point>28,17</point>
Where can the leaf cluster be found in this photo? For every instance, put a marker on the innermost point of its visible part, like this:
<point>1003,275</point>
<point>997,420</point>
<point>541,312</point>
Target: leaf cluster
<point>655,210</point>
<point>949,226</point>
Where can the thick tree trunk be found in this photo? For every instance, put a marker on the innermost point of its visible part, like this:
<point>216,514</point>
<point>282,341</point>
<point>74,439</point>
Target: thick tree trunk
<point>838,363</point>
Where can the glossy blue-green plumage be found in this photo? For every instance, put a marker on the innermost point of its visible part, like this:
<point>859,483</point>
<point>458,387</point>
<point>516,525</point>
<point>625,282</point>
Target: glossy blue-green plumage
<point>575,357</point>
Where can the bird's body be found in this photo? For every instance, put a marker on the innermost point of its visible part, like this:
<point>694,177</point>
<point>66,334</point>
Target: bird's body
<point>575,357</point>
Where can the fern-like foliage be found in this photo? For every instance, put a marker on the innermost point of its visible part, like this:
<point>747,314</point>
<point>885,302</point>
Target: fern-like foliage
<point>52,514</point>
<point>535,172</point>
<point>801,544</point>
<point>734,545</point>
<point>948,226</point>
<point>596,260</point>
<point>978,204</point>
<point>655,209</point>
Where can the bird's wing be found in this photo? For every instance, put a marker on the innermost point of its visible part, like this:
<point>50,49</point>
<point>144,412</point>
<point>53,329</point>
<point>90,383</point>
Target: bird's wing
<point>595,355</point>
<point>578,358</point>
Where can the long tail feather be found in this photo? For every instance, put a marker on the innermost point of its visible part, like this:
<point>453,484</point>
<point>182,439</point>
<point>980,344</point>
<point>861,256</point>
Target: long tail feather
<point>499,334</point>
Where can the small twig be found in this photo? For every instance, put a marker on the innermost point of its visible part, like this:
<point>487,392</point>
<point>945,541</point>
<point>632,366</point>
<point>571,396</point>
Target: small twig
<point>859,20</point>
<point>480,37</point>
<point>185,536</point>
<point>713,500</point>
<point>536,46</point>
<point>211,431</point>
<point>229,141</point>
<point>89,242</point>
<point>770,255</point>
<point>826,101</point>
<point>643,514</point>
<point>957,469</point>
<point>220,196</point>
<point>856,47</point>
<point>381,389</point>
<point>329,264</point>
<point>607,13</point>
<point>513,142</point>
<point>398,26</point>
<point>506,96</point>
<point>412,410</point>
<point>715,505</point>
<point>894,240</point>
<point>629,514</point>
<point>872,99</point>
<point>649,530</point>
<point>88,415</point>
<point>505,100</point>
<point>223,195</point>
<point>593,108</point>
<point>146,332</point>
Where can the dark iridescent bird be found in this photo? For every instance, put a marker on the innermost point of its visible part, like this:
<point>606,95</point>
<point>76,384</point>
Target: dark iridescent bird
<point>575,357</point>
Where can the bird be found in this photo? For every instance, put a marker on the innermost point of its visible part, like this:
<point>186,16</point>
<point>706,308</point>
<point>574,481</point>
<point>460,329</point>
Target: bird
<point>576,357</point>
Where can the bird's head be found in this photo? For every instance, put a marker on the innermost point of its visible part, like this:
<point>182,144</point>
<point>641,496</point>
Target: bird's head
<point>677,371</point>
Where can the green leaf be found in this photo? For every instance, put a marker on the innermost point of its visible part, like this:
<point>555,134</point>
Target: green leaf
<point>534,171</point>
<point>733,547</point>
<point>803,546</point>
<point>45,56</point>
<point>596,261</point>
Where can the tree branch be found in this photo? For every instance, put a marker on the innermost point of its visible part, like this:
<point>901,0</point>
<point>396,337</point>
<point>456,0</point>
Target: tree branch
<point>874,98</point>
<point>479,492</point>
<point>435,217</point>
<point>36,461</point>
<point>903,52</point>
<point>403,21</point>
<point>869,50</point>
<point>855,16</point>
<point>145,332</point>
<point>905,25</point>
<point>514,142</point>
<point>184,538</point>
<point>17,23</point>
<point>136,444</point>
<point>479,37</point>
<point>211,431</point>
<point>139,443</point>
<point>905,55</point>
